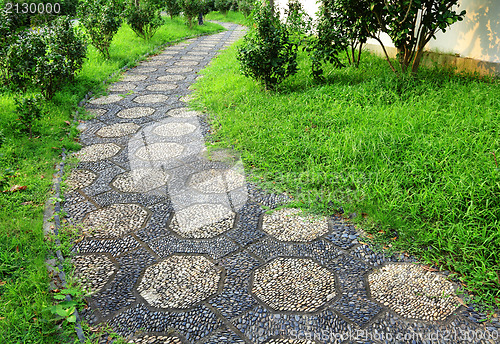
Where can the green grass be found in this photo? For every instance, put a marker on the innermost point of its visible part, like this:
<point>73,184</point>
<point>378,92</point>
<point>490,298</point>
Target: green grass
<point>413,159</point>
<point>24,294</point>
<point>231,16</point>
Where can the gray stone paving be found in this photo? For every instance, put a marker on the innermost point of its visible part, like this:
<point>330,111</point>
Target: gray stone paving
<point>179,248</point>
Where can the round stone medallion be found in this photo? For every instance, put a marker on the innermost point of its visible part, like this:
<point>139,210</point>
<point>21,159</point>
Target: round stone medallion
<point>174,129</point>
<point>106,99</point>
<point>182,112</point>
<point>118,130</point>
<point>179,282</point>
<point>171,78</point>
<point>137,77</point>
<point>161,87</point>
<point>151,98</point>
<point>135,112</point>
<point>202,221</point>
<point>294,285</point>
<point>93,271</point>
<point>159,151</point>
<point>178,70</point>
<point>122,87</point>
<point>79,179</point>
<point>413,292</point>
<point>140,180</point>
<point>99,151</point>
<point>115,220</point>
<point>288,224</point>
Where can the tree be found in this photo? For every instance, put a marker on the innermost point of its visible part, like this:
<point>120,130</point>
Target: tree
<point>267,54</point>
<point>191,9</point>
<point>173,8</point>
<point>411,24</point>
<point>143,17</point>
<point>101,21</point>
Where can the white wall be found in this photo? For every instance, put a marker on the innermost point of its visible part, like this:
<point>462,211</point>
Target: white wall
<point>477,36</point>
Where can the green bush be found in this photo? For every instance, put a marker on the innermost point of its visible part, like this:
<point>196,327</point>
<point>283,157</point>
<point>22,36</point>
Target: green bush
<point>29,112</point>
<point>173,8</point>
<point>21,58</point>
<point>223,5</point>
<point>64,56</point>
<point>101,20</point>
<point>268,55</point>
<point>246,7</point>
<point>191,9</point>
<point>144,19</point>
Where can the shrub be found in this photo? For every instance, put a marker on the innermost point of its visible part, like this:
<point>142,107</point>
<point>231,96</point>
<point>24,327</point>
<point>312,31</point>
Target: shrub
<point>101,20</point>
<point>246,7</point>
<point>173,8</point>
<point>21,58</point>
<point>223,5</point>
<point>191,9</point>
<point>144,18</point>
<point>29,112</point>
<point>268,55</point>
<point>64,56</point>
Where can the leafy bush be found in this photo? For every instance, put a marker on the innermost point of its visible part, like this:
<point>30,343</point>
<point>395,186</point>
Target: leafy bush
<point>268,55</point>
<point>173,8</point>
<point>29,113</point>
<point>64,56</point>
<point>144,18</point>
<point>191,9</point>
<point>223,5</point>
<point>21,58</point>
<point>246,7</point>
<point>101,20</point>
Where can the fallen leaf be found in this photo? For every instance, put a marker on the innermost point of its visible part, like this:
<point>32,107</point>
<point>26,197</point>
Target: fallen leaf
<point>394,238</point>
<point>67,122</point>
<point>461,302</point>
<point>16,188</point>
<point>365,215</point>
<point>428,268</point>
<point>27,203</point>
<point>2,318</point>
<point>381,232</point>
<point>2,283</point>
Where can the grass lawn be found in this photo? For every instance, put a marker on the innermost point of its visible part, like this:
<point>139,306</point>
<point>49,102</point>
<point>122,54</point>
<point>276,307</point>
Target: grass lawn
<point>415,160</point>
<point>24,293</point>
<point>231,16</point>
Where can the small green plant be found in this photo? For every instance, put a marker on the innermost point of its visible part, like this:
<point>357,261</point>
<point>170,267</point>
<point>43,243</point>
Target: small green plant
<point>29,112</point>
<point>63,58</point>
<point>144,18</point>
<point>223,5</point>
<point>191,9</point>
<point>173,8</point>
<point>246,7</point>
<point>268,54</point>
<point>65,309</point>
<point>101,20</point>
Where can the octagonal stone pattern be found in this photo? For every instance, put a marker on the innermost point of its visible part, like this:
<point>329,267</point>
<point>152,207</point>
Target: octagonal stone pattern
<point>151,98</point>
<point>179,282</point>
<point>135,112</point>
<point>93,271</point>
<point>217,181</point>
<point>118,129</point>
<point>288,224</point>
<point>294,285</point>
<point>113,98</point>
<point>140,180</point>
<point>115,220</point>
<point>79,179</point>
<point>98,151</point>
<point>413,292</point>
<point>202,221</point>
<point>174,129</point>
<point>159,151</point>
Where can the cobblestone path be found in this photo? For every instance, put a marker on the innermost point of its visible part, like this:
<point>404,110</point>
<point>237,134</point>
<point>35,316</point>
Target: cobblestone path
<point>179,248</point>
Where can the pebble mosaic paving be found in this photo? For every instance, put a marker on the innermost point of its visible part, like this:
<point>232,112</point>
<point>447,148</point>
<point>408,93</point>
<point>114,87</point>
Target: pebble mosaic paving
<point>179,248</point>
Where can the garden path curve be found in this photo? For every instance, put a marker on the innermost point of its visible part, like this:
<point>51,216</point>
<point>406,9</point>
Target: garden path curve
<point>179,248</point>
